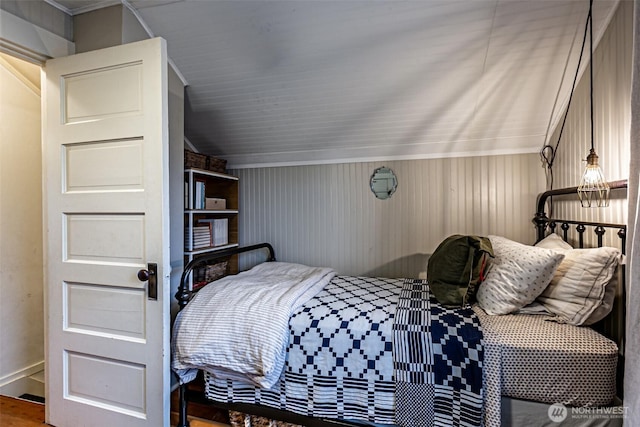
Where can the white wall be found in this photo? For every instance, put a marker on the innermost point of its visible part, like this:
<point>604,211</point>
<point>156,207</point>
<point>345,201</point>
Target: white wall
<point>22,37</point>
<point>109,26</point>
<point>327,215</point>
<point>41,14</point>
<point>21,282</point>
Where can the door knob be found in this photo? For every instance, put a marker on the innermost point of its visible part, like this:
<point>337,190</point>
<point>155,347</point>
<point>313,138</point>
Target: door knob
<point>149,275</point>
<point>143,275</point>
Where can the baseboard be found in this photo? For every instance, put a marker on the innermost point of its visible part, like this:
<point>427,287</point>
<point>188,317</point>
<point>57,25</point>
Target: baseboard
<point>24,381</point>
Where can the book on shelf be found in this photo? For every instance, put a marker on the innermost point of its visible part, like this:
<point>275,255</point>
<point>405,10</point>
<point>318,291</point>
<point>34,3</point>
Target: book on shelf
<point>219,230</point>
<point>199,237</point>
<point>199,195</point>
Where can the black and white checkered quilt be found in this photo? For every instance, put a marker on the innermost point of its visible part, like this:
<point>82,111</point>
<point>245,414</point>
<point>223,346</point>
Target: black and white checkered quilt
<point>438,358</point>
<point>340,358</point>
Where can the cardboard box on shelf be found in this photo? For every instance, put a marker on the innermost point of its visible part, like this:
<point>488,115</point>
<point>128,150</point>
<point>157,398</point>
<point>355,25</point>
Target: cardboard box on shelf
<point>212,204</point>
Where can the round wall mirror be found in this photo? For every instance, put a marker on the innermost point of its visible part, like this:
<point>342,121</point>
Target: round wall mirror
<point>383,183</point>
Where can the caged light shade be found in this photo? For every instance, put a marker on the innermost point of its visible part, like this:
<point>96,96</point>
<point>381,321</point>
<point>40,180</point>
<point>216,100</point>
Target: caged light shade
<point>593,190</point>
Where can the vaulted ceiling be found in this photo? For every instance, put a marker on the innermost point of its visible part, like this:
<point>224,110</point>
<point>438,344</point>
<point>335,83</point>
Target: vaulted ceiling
<point>306,81</point>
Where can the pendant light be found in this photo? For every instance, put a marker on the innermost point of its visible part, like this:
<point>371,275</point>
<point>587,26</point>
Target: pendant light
<point>593,190</point>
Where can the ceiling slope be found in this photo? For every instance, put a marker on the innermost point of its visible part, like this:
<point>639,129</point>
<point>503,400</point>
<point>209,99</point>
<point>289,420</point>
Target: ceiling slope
<point>302,82</point>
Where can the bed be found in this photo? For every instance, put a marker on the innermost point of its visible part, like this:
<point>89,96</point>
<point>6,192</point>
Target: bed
<point>359,350</point>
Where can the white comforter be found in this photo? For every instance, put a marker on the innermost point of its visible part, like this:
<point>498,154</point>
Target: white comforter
<point>238,327</point>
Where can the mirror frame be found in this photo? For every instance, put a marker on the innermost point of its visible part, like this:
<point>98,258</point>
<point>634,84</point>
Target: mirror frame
<point>383,183</point>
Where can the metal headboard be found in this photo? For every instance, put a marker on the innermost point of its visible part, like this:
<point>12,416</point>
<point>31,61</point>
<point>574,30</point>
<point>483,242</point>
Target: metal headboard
<point>185,293</point>
<point>543,222</point>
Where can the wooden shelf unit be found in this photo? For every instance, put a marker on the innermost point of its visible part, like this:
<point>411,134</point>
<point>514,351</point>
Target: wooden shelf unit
<point>216,185</point>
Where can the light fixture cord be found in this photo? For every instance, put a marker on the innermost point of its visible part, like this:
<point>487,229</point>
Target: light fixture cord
<point>590,20</point>
<point>548,152</point>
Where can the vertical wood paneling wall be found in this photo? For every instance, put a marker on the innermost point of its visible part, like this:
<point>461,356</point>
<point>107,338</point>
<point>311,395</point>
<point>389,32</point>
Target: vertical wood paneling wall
<point>327,215</point>
<point>611,100</point>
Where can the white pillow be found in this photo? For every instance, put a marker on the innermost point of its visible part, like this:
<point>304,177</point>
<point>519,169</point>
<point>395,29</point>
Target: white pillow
<point>516,276</point>
<point>582,289</point>
<point>555,242</point>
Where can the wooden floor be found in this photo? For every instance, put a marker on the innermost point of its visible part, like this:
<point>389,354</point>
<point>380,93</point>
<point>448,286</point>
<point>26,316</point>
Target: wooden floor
<point>20,413</point>
<point>23,413</point>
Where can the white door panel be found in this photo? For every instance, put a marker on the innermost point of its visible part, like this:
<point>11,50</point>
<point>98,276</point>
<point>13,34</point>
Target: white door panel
<point>104,166</point>
<point>106,161</point>
<point>90,381</point>
<point>89,309</point>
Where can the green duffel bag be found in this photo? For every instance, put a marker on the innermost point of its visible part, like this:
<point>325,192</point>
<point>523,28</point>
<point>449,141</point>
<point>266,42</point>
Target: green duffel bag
<point>456,268</point>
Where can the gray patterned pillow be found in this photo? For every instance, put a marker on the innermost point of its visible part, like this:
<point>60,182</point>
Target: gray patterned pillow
<point>517,275</point>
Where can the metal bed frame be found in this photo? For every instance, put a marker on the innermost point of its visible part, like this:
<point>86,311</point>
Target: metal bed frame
<point>183,296</point>
<point>612,326</point>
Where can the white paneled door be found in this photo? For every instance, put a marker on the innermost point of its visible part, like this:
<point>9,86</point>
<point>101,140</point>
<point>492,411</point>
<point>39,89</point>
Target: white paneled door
<point>105,136</point>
